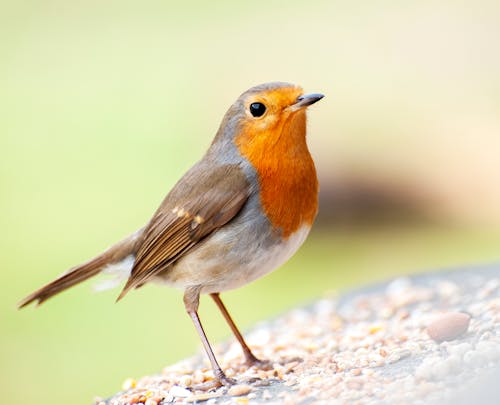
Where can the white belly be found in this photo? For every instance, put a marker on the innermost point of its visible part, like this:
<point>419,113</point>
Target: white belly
<point>263,264</point>
<point>222,272</point>
<point>216,269</point>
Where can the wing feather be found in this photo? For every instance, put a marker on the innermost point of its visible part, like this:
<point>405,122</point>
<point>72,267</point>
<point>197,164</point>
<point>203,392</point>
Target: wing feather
<point>202,201</point>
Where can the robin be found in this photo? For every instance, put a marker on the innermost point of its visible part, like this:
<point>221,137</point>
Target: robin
<point>240,212</point>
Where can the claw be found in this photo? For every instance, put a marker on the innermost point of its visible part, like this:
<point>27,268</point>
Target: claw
<point>223,380</point>
<point>226,381</point>
<point>251,360</point>
<point>217,382</point>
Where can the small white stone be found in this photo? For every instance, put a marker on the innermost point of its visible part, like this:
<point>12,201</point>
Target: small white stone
<point>398,286</point>
<point>168,398</point>
<point>181,392</point>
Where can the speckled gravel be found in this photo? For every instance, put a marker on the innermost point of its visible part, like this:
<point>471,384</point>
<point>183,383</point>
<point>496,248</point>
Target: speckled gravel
<point>426,339</point>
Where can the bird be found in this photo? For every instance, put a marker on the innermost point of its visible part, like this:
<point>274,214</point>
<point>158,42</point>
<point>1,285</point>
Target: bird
<point>237,214</point>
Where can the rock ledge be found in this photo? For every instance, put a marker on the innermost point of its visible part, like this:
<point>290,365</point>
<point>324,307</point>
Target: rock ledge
<point>372,345</point>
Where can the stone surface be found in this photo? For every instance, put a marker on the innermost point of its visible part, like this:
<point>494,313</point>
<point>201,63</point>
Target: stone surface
<point>367,346</point>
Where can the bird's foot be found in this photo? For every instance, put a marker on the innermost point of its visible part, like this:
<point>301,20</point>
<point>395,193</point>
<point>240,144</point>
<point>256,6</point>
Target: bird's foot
<point>225,381</point>
<point>251,361</point>
<point>220,380</point>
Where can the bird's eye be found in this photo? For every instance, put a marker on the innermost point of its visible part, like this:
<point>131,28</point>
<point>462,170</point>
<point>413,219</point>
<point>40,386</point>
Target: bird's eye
<point>257,109</point>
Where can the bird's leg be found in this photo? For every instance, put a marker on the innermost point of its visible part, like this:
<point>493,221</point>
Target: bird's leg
<point>249,356</point>
<point>191,302</point>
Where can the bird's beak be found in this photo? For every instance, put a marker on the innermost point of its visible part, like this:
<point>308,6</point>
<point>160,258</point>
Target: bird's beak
<point>305,101</point>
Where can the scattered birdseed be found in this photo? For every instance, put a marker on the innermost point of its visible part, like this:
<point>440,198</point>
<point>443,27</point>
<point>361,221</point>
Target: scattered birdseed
<point>376,345</point>
<point>238,390</point>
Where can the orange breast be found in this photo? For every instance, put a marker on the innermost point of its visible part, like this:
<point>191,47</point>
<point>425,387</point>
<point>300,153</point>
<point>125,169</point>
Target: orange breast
<point>287,176</point>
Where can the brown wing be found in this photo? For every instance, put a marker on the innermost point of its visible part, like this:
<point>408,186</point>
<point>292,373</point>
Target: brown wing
<point>202,201</point>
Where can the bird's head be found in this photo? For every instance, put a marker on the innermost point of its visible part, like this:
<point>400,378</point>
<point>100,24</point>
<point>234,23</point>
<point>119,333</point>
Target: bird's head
<point>268,107</point>
<point>271,115</point>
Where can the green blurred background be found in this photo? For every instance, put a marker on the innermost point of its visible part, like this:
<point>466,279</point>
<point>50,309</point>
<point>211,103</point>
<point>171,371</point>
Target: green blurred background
<point>105,104</point>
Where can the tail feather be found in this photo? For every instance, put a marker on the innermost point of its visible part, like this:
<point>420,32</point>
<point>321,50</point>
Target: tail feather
<point>82,272</point>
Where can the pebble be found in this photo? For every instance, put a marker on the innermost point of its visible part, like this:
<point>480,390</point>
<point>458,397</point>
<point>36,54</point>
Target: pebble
<point>448,326</point>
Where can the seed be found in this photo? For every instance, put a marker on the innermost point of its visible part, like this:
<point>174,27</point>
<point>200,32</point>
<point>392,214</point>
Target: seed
<point>128,384</point>
<point>237,390</point>
<point>185,381</point>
